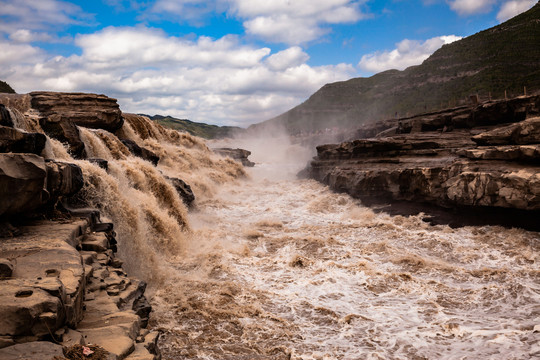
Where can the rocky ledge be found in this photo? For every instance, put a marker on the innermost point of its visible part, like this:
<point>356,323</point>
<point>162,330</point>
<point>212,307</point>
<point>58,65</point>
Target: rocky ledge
<point>62,286</point>
<point>236,154</point>
<point>482,160</point>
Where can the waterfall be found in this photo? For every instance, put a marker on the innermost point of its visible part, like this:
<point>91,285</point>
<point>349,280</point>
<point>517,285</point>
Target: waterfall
<point>150,218</point>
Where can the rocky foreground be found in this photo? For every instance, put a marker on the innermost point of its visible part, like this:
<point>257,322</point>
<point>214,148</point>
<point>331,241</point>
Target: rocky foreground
<point>476,161</point>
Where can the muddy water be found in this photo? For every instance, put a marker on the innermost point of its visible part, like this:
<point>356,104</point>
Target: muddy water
<point>279,268</point>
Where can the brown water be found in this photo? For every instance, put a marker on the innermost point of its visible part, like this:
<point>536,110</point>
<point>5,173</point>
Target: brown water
<point>280,268</point>
<point>271,267</point>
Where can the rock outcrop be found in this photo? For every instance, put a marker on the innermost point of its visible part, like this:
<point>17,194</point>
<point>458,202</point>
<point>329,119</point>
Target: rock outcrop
<point>59,114</point>
<point>236,154</point>
<point>63,283</point>
<point>140,151</point>
<point>28,182</point>
<point>483,158</point>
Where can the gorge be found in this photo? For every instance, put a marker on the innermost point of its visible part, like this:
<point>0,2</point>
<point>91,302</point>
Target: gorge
<point>261,265</point>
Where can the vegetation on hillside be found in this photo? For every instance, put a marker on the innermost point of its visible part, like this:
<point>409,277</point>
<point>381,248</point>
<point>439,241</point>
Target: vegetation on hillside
<point>5,88</point>
<point>194,128</point>
<point>505,58</point>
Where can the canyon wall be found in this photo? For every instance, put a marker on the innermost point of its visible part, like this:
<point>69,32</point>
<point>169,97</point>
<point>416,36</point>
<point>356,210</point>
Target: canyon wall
<point>468,159</point>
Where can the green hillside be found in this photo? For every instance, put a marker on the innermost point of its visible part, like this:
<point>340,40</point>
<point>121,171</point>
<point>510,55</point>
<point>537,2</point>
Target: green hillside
<point>194,128</point>
<point>503,58</point>
<point>5,88</point>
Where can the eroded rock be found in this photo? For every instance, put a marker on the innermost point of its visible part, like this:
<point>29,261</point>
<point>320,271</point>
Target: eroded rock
<point>236,154</point>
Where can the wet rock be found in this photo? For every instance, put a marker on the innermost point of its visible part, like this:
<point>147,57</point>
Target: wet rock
<point>6,269</point>
<point>236,154</point>
<point>5,117</point>
<point>16,141</point>
<point>63,179</point>
<point>183,189</point>
<point>102,163</point>
<point>32,351</point>
<point>22,183</point>
<point>141,152</point>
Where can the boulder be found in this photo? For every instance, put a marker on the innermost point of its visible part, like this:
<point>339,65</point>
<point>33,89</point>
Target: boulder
<point>63,179</point>
<point>236,154</point>
<point>183,189</point>
<point>22,183</point>
<point>83,109</point>
<point>5,117</point>
<point>140,151</point>
<point>16,141</point>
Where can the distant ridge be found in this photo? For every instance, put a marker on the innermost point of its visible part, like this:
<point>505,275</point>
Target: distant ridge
<point>503,58</point>
<point>5,88</point>
<point>195,128</point>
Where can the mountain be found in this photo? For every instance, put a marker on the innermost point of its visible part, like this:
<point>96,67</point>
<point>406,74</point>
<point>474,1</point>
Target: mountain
<point>5,88</point>
<point>503,58</point>
<point>194,128</point>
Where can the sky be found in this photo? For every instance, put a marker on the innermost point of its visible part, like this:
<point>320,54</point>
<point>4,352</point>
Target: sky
<point>224,62</point>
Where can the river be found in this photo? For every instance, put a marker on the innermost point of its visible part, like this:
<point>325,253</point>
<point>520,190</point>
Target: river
<point>281,268</point>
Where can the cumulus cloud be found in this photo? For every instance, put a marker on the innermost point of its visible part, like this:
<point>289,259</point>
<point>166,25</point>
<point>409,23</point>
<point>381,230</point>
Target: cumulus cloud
<point>470,7</point>
<point>512,8</point>
<point>212,80</point>
<point>280,21</point>
<point>38,15</point>
<point>294,22</point>
<point>407,53</point>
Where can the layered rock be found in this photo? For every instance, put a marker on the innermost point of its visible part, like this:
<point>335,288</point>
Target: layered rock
<point>236,154</point>
<point>28,182</point>
<point>483,158</point>
<point>62,282</point>
<point>59,114</point>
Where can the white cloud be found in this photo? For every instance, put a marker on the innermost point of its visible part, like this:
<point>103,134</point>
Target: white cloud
<point>407,53</point>
<point>294,22</point>
<point>515,7</point>
<point>470,7</point>
<point>210,80</point>
<point>38,15</point>
<point>291,57</point>
<point>27,36</point>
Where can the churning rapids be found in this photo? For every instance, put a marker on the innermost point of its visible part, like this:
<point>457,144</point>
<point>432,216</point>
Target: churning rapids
<point>271,267</point>
<point>280,268</point>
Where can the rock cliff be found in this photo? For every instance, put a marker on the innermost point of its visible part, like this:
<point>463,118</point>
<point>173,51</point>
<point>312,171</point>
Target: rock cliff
<point>481,158</point>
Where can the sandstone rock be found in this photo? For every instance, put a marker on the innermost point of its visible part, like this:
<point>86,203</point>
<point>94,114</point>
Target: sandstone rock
<point>31,351</point>
<point>141,152</point>
<point>16,141</point>
<point>114,339</point>
<point>28,310</point>
<point>236,154</point>
<point>140,353</point>
<point>443,166</point>
<point>22,183</point>
<point>522,133</point>
<point>6,269</point>
<point>83,109</point>
<point>5,117</point>
<point>63,179</point>
<point>183,189</point>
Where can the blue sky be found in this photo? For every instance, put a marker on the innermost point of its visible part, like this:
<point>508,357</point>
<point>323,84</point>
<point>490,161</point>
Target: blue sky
<point>225,62</point>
